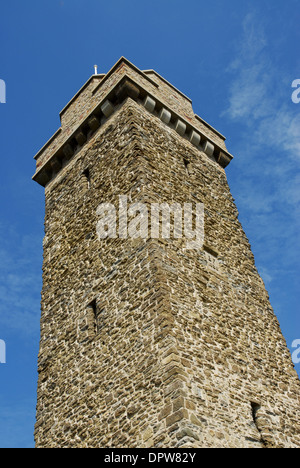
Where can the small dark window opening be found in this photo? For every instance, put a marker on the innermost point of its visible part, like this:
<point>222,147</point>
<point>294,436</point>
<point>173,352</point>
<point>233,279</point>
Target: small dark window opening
<point>187,166</point>
<point>86,174</point>
<point>254,407</point>
<point>213,253</point>
<point>92,317</point>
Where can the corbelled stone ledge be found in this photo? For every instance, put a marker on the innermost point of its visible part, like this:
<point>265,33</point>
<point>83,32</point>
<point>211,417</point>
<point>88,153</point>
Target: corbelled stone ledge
<point>98,99</point>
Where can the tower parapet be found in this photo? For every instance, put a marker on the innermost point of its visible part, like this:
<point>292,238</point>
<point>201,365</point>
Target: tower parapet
<point>102,94</point>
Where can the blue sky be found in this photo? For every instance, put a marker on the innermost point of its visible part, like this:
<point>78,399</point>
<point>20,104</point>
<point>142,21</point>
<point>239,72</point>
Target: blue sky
<point>235,60</point>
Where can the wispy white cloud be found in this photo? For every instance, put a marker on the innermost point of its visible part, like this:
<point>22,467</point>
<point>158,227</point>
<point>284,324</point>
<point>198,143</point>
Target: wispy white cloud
<point>266,275</point>
<point>20,281</point>
<point>268,152</point>
<point>259,93</point>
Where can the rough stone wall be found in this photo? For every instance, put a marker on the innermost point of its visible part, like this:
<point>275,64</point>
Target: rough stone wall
<point>185,350</point>
<point>79,105</point>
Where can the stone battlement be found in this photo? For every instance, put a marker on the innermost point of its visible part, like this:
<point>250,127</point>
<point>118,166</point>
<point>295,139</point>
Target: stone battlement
<point>102,94</point>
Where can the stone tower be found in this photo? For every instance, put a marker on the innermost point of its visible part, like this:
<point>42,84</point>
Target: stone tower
<point>145,342</point>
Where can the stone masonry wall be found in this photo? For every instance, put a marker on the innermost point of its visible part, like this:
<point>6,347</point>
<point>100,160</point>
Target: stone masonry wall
<point>143,342</point>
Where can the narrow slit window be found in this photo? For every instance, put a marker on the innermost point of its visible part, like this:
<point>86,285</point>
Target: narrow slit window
<point>210,251</point>
<point>87,178</point>
<point>92,318</point>
<point>187,166</point>
<point>254,407</point>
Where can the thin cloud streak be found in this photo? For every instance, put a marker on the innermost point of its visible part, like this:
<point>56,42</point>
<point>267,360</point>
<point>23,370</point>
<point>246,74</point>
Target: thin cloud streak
<point>258,94</point>
<point>20,282</point>
<point>268,158</point>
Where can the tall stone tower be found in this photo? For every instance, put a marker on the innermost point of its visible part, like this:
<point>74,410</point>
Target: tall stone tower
<point>144,341</point>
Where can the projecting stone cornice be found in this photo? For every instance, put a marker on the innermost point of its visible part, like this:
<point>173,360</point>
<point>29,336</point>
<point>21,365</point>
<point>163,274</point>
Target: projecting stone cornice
<point>98,99</point>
